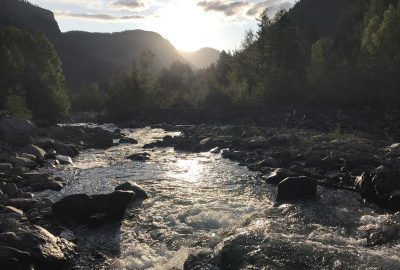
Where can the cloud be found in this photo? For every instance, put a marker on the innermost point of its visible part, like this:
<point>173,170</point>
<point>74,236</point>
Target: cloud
<point>128,4</point>
<point>272,7</point>
<point>100,17</point>
<point>228,8</point>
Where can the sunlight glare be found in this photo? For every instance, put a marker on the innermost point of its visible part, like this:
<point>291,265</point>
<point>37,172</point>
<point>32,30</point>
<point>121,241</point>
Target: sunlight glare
<point>188,27</point>
<point>188,170</point>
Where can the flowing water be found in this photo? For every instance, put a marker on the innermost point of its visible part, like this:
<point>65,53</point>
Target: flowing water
<point>197,200</point>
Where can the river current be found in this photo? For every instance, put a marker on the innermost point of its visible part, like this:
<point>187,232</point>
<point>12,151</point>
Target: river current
<point>197,200</point>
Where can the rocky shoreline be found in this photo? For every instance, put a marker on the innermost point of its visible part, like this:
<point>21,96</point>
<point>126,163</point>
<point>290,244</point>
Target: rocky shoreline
<point>34,232</point>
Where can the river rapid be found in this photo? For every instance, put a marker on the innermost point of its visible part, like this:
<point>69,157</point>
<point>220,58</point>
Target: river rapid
<point>202,202</point>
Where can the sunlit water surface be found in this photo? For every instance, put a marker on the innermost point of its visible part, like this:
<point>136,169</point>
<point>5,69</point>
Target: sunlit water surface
<point>196,200</point>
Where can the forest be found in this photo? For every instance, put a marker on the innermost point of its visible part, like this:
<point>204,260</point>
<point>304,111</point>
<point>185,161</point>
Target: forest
<point>349,61</point>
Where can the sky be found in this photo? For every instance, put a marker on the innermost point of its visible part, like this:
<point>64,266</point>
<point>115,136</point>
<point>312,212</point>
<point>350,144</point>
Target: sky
<point>188,24</point>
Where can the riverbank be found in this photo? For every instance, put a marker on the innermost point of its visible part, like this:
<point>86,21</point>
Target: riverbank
<point>319,166</point>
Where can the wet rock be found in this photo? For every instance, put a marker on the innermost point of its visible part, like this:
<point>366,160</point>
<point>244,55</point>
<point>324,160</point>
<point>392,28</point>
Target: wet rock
<point>11,190</point>
<point>48,252</point>
<point>23,162</point>
<point>74,209</point>
<point>394,200</point>
<point>5,167</point>
<point>293,188</point>
<point>28,156</point>
<point>280,139</point>
<point>36,177</point>
<point>257,143</point>
<point>22,203</point>
<point>12,210</point>
<point>139,191</point>
<point>64,160</point>
<point>393,150</point>
<point>52,185</point>
<point>366,187</point>
<point>187,145</point>
<point>113,205</point>
<point>34,150</point>
<point>11,258</point>
<point>312,161</point>
<point>65,150</point>
<point>385,234</point>
<point>386,182</point>
<point>44,143</point>
<point>128,141</point>
<point>139,157</point>
<point>278,175</point>
<point>79,208</point>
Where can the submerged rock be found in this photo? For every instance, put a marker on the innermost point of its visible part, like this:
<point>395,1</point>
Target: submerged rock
<point>139,157</point>
<point>293,188</point>
<point>128,140</point>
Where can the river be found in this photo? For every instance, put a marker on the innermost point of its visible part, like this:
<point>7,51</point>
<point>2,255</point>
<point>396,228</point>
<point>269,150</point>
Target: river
<point>197,200</point>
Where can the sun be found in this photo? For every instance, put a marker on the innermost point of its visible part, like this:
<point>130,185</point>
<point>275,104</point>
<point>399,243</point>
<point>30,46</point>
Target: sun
<point>188,27</point>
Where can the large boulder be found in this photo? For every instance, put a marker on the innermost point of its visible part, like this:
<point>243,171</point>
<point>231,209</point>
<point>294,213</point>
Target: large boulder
<point>366,187</point>
<point>186,145</point>
<point>278,175</point>
<point>293,188</point>
<point>386,182</point>
<point>34,150</point>
<point>113,205</point>
<point>65,149</point>
<point>74,209</point>
<point>47,252</point>
<point>80,208</point>
<point>16,131</point>
<point>11,258</point>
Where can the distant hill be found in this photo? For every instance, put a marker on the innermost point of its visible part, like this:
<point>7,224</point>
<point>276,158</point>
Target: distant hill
<point>97,56</point>
<point>202,58</point>
<point>89,57</point>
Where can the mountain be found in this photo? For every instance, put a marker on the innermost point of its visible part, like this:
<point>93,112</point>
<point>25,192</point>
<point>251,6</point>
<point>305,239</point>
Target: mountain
<point>96,57</point>
<point>89,57</point>
<point>24,15</point>
<point>202,58</point>
<point>319,16</point>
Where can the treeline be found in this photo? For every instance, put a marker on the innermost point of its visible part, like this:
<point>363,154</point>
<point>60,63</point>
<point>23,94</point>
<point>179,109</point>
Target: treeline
<point>31,80</point>
<point>282,63</point>
<point>352,62</point>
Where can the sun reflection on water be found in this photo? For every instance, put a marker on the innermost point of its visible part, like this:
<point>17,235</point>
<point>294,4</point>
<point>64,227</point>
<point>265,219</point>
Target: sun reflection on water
<point>187,170</point>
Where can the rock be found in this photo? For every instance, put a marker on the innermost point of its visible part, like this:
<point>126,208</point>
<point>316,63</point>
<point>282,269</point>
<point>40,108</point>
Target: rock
<point>11,258</point>
<point>35,177</point>
<point>23,162</point>
<point>293,188</point>
<point>366,187</point>
<point>278,175</point>
<point>385,234</point>
<point>187,145</point>
<point>4,167</point>
<point>257,143</point>
<point>11,190</point>
<point>74,209</point>
<point>28,156</point>
<point>281,139</point>
<point>64,160</point>
<point>47,251</point>
<point>34,150</point>
<point>65,150</point>
<point>394,201</point>
<point>44,143</point>
<point>313,161</point>
<point>22,203</point>
<point>386,182</point>
<point>53,185</point>
<point>128,140</point>
<point>79,208</point>
<point>11,209</point>
<point>139,191</point>
<point>393,150</point>
<point>113,205</point>
<point>139,157</point>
